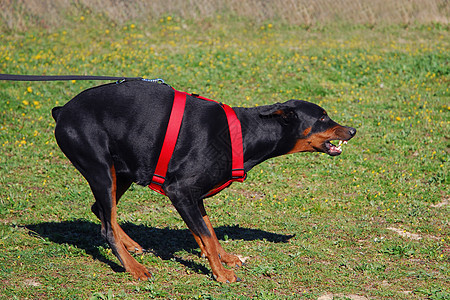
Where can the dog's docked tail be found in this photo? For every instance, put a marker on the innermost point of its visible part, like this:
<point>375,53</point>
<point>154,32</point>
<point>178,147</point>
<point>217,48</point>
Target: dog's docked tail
<point>55,112</point>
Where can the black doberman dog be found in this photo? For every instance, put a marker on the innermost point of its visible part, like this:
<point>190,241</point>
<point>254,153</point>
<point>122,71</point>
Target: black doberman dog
<point>113,135</point>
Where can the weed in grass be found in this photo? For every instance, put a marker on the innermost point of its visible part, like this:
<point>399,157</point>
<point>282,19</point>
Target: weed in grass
<point>399,250</point>
<point>101,296</point>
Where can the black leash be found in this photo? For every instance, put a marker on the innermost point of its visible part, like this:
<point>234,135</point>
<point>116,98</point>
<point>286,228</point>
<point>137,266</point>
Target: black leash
<point>68,77</point>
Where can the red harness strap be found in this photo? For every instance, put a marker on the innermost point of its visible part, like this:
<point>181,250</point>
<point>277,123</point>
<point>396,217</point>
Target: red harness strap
<point>170,140</point>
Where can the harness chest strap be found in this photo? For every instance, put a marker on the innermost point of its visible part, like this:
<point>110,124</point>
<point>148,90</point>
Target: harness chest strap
<point>170,139</point>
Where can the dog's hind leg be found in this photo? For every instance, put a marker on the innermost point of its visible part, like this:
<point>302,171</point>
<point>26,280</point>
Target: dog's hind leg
<point>101,176</point>
<point>103,183</point>
<point>86,146</point>
<point>122,185</point>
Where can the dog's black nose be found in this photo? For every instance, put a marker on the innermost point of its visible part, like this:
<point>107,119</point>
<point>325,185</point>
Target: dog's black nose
<point>352,131</point>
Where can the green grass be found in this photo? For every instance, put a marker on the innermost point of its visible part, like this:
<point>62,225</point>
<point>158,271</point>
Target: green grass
<point>309,223</point>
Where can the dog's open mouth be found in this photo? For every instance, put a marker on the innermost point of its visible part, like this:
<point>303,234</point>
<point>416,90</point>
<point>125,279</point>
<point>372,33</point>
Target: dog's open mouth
<point>332,149</point>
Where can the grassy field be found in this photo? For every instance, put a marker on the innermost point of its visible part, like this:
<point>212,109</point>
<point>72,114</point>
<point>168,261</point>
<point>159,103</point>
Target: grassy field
<point>373,222</point>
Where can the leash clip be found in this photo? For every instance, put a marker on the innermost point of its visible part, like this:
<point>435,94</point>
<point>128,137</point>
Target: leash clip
<point>156,80</point>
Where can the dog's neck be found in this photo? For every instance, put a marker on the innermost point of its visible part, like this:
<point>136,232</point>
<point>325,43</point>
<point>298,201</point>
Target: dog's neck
<point>263,138</point>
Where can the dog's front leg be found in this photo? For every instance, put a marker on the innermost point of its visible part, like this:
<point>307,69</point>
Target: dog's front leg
<point>207,240</point>
<point>227,258</point>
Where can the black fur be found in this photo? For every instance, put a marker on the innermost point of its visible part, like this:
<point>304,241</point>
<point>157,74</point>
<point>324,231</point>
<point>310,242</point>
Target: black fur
<point>123,126</point>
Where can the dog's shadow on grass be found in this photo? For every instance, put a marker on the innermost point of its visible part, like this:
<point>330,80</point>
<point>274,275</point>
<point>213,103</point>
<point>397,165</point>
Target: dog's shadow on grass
<point>162,242</point>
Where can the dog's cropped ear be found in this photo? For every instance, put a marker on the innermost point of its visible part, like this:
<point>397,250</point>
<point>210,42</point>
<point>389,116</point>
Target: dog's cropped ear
<point>282,110</point>
<point>271,110</point>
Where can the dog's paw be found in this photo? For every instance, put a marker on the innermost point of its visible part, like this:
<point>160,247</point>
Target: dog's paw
<point>140,272</point>
<point>226,276</point>
<point>230,260</point>
<point>136,249</point>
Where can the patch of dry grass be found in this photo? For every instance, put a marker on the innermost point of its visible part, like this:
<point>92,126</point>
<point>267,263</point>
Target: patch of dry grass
<point>22,14</point>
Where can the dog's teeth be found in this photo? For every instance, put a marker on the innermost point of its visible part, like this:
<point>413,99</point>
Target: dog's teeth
<point>345,142</point>
<point>340,143</point>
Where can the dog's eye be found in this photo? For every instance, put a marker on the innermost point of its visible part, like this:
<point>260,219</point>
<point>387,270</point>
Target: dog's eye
<point>323,118</point>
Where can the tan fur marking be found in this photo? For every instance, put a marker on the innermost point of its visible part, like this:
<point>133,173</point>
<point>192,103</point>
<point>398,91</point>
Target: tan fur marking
<point>131,265</point>
<point>128,242</point>
<point>200,244</point>
<point>230,259</point>
<point>279,112</point>
<point>211,248</point>
<point>220,273</point>
<point>307,131</point>
<point>314,141</point>
<point>302,145</point>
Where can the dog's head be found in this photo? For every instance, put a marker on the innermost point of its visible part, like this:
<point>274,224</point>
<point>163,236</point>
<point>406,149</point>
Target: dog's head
<point>309,127</point>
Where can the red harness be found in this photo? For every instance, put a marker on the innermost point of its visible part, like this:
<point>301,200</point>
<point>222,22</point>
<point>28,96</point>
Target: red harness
<point>170,140</point>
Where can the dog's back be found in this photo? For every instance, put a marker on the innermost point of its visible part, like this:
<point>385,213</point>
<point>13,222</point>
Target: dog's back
<point>129,120</point>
